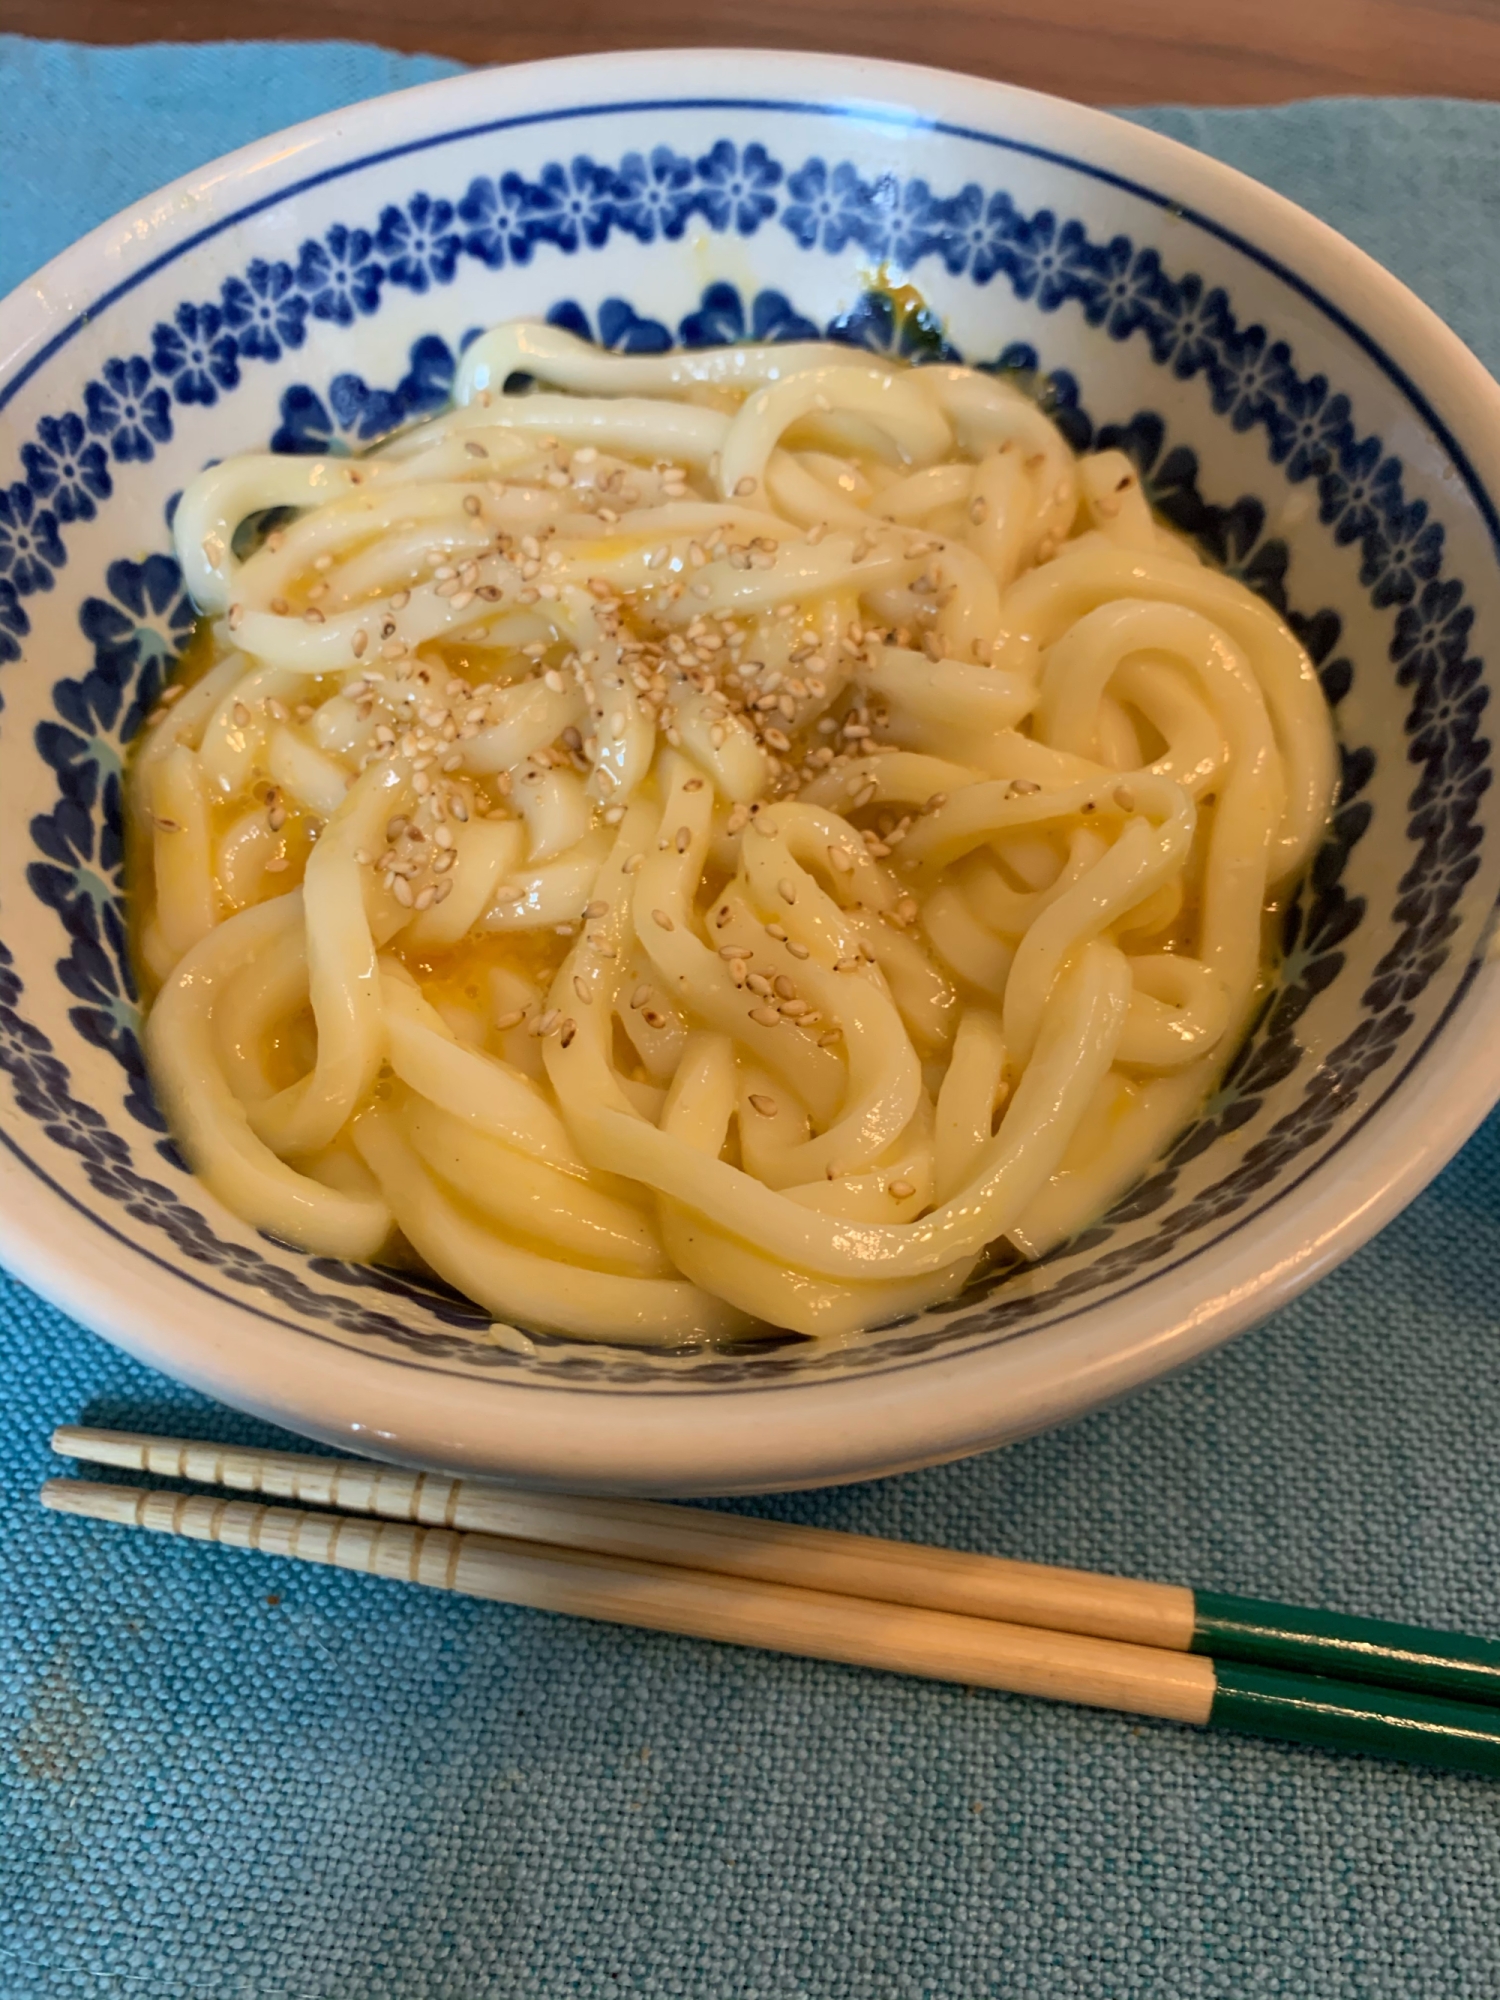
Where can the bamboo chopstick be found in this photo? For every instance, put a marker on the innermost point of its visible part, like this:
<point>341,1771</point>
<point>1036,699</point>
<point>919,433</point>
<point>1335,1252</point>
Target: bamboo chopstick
<point>1020,1659</point>
<point>1065,1600</point>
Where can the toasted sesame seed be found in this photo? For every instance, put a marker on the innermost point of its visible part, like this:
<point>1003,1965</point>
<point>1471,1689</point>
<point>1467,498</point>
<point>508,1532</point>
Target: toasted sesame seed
<point>662,920</point>
<point>766,1106</point>
<point>1124,798</point>
<point>744,487</point>
<point>401,890</point>
<point>829,1036</point>
<point>511,1020</point>
<point>775,931</point>
<point>1023,788</point>
<point>683,840</point>
<point>786,890</point>
<point>765,1017</point>
<point>165,825</point>
<point>598,908</point>
<point>358,644</point>
<point>473,504</point>
<point>567,1031</point>
<point>797,950</point>
<point>900,1190</point>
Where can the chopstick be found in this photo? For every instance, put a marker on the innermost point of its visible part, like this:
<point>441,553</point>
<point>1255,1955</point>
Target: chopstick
<point>938,1645</point>
<point>858,1631</point>
<point>1170,1616</point>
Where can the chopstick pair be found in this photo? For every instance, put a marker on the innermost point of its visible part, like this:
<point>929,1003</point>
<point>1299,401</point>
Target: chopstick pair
<point>1066,1635</point>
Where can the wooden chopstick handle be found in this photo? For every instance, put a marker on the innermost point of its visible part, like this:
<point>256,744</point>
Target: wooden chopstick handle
<point>1449,1665</point>
<point>977,1586</point>
<point>1059,1666</point>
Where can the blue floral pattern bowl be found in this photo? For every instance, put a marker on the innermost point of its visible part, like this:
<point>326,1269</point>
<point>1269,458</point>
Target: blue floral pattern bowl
<point>1290,408</point>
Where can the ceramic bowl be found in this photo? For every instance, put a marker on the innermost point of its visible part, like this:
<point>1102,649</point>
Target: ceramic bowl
<point>1290,406</point>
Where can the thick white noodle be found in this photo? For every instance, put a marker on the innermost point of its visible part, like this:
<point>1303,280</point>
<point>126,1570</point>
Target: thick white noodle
<point>699,840</point>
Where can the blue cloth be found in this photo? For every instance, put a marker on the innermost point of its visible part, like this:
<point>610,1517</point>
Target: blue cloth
<point>228,1777</point>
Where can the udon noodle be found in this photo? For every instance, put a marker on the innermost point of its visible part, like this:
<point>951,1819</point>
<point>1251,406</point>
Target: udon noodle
<point>686,841</point>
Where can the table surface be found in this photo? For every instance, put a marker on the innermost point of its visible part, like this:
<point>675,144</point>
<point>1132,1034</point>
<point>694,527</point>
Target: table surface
<point>220,1777</point>
<point>1153,51</point>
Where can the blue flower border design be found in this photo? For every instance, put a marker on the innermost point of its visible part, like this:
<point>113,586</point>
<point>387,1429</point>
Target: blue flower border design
<point>263,313</point>
<point>1251,381</point>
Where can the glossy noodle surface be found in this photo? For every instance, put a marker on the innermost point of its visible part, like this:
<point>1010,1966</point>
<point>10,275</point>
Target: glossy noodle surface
<point>687,841</point>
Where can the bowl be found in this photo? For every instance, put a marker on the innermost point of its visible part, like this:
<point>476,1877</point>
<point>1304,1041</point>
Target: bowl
<point>1290,406</point>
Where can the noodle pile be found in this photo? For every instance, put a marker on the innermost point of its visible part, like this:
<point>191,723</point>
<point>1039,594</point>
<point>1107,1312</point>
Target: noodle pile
<point>705,839</point>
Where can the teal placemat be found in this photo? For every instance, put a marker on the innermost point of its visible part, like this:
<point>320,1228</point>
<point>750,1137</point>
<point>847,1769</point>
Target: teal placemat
<point>223,1777</point>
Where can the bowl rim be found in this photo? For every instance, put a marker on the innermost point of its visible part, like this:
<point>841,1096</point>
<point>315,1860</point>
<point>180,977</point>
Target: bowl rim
<point>852,1426</point>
